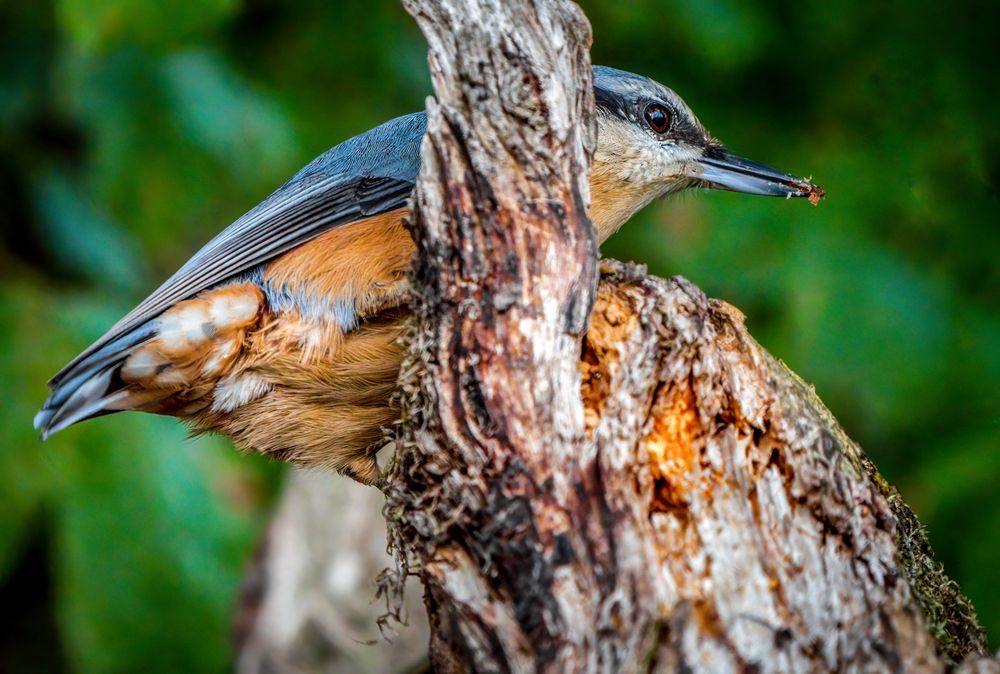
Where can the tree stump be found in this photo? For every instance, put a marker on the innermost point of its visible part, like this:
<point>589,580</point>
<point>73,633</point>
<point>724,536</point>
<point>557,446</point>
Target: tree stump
<point>658,495</point>
<point>609,474</point>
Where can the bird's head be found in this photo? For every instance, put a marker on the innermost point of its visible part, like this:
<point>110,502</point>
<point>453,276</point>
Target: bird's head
<point>650,144</point>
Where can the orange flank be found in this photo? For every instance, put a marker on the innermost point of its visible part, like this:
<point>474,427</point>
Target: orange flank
<point>282,368</point>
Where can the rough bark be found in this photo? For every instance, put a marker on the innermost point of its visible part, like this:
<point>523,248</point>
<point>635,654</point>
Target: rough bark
<point>659,495</point>
<point>507,269</point>
<point>727,522</point>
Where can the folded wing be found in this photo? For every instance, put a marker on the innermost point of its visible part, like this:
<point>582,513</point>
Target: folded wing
<point>369,174</point>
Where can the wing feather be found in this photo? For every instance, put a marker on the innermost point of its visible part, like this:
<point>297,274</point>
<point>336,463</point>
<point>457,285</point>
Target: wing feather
<point>367,175</point>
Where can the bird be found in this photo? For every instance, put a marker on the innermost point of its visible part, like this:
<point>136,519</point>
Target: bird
<point>283,332</point>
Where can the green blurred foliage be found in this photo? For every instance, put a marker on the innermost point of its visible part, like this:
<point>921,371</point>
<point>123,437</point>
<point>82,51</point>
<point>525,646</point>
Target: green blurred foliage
<point>99,24</point>
<point>131,131</point>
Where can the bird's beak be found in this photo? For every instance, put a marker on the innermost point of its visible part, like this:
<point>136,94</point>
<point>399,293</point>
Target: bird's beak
<point>726,171</point>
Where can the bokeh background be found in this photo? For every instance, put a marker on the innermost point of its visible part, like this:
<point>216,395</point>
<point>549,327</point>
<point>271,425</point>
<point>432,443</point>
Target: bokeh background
<point>133,130</point>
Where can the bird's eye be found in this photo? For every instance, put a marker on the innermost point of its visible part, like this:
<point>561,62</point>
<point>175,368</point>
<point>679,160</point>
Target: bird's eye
<point>657,117</point>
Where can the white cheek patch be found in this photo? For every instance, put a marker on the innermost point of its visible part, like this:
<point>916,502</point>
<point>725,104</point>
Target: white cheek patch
<point>635,157</point>
<point>185,328</point>
<point>233,392</point>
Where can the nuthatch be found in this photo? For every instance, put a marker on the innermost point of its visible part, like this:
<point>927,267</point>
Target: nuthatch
<point>281,332</point>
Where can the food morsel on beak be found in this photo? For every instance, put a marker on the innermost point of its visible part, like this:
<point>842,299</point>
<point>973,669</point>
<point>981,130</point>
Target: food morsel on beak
<point>724,171</point>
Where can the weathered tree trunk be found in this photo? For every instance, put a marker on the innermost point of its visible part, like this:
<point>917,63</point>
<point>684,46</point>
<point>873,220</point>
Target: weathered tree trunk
<point>659,495</point>
<point>646,491</point>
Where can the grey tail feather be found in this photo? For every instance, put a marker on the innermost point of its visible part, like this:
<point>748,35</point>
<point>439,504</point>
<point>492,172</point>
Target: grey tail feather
<point>91,387</point>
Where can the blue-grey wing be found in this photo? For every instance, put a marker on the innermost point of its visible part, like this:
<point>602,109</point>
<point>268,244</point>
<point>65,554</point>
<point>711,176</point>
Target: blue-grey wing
<point>369,174</point>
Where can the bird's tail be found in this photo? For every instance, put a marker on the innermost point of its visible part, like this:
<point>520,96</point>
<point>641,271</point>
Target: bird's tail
<point>92,386</point>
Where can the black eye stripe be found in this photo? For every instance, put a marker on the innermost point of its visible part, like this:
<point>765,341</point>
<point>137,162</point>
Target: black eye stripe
<point>658,117</point>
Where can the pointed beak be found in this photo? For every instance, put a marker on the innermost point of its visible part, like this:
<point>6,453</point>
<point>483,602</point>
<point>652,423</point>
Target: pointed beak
<point>724,171</point>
